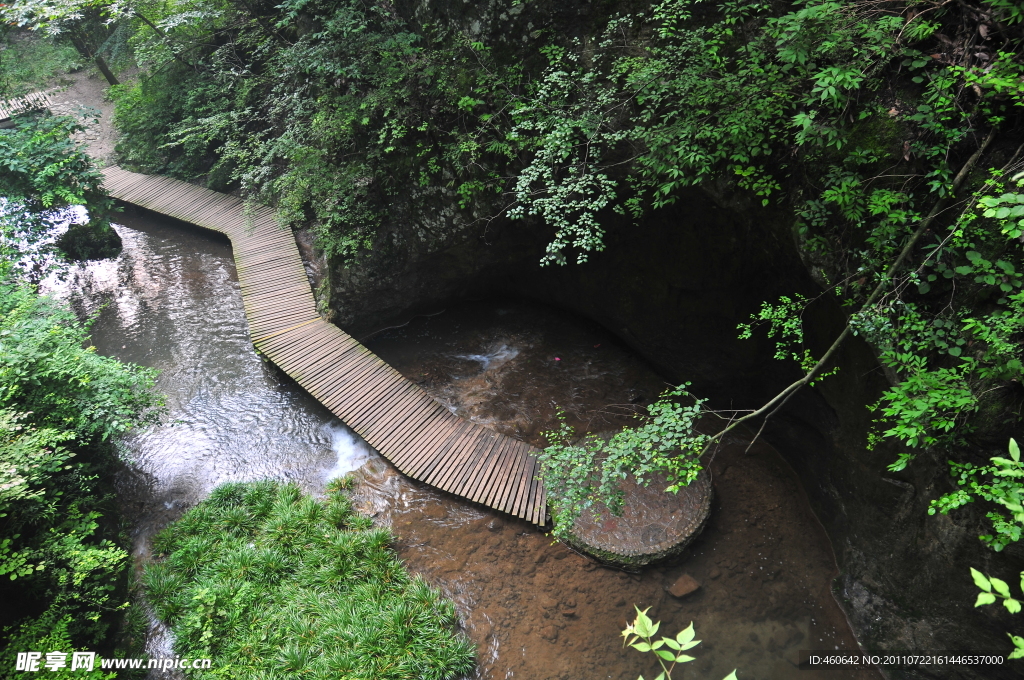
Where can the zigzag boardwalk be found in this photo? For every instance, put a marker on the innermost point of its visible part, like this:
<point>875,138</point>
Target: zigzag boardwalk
<point>422,438</point>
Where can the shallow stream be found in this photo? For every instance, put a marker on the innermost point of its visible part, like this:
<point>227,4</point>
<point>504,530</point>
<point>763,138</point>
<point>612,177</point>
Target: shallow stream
<point>536,610</point>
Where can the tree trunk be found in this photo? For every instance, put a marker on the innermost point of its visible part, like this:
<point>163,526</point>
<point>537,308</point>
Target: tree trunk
<point>101,64</point>
<point>82,47</point>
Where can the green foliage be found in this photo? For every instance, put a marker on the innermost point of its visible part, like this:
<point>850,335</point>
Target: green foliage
<point>640,636</point>
<point>30,456</point>
<point>1001,483</point>
<point>50,633</point>
<point>29,63</point>
<point>273,584</point>
<point>851,114</point>
<point>58,401</point>
<point>60,404</point>
<point>589,472</point>
<point>1008,208</point>
<point>48,368</point>
<point>993,589</point>
<point>44,174</point>
<point>785,322</point>
<point>948,360</point>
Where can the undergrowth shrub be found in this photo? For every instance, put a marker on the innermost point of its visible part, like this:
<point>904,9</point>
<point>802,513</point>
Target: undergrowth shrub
<point>270,583</point>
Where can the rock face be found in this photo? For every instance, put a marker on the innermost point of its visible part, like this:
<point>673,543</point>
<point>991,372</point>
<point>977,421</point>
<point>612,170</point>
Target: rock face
<point>674,289</point>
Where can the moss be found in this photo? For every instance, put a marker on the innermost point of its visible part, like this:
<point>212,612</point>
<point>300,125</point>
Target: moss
<point>881,134</point>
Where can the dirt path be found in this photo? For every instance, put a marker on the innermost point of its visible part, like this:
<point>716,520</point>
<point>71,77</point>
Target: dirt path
<point>86,98</point>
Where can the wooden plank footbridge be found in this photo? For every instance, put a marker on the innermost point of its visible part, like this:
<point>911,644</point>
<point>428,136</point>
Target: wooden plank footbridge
<point>30,102</point>
<point>395,416</point>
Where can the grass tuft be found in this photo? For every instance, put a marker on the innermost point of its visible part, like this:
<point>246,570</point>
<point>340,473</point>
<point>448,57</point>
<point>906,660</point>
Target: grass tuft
<point>271,584</point>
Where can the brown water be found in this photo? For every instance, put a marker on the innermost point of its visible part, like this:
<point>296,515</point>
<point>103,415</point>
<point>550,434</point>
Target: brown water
<point>535,610</point>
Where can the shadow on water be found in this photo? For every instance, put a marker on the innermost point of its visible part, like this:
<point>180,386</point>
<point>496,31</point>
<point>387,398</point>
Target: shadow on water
<point>535,609</point>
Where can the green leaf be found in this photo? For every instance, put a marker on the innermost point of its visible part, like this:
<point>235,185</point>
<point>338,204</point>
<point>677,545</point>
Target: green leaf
<point>731,676</point>
<point>684,658</point>
<point>985,598</point>
<point>642,625</point>
<point>1012,605</point>
<point>644,647</point>
<point>982,582</point>
<point>686,634</point>
<point>1000,586</point>
<point>1014,450</point>
<point>669,656</point>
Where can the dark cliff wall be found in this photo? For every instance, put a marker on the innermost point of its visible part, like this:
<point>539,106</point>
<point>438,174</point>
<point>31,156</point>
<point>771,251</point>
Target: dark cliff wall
<point>674,289</point>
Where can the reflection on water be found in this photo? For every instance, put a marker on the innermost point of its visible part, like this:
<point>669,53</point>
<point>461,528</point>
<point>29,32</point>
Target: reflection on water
<point>535,610</point>
<point>171,301</point>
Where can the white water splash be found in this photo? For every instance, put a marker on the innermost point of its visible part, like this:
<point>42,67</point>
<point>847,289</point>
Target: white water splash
<point>499,357</point>
<point>351,450</point>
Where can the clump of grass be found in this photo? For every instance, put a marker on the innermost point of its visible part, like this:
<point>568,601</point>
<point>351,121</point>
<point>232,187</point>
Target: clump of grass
<point>270,584</point>
<point>31,62</point>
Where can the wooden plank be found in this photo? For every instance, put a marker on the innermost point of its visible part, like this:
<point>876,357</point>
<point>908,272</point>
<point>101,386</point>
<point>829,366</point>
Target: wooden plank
<point>410,409</point>
<point>531,492</point>
<point>362,401</point>
<point>482,484</point>
<point>401,437</point>
<point>422,437</point>
<point>452,479</point>
<point>506,494</point>
<point>342,375</point>
<point>454,453</point>
<point>283,346</point>
<point>410,452</point>
<point>519,489</point>
<point>377,404</point>
<point>506,483</point>
<point>458,482</point>
<point>499,476</point>
<point>361,384</point>
<point>522,495</point>
<point>469,481</point>
<point>429,458</point>
<point>301,342</point>
<point>333,351</point>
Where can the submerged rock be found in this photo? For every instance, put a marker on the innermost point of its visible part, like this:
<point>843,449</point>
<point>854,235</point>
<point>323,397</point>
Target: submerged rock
<point>684,585</point>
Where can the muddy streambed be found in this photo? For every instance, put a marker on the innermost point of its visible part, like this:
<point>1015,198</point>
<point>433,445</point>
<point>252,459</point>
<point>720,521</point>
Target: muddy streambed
<point>535,610</point>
